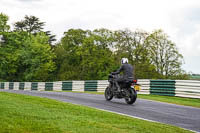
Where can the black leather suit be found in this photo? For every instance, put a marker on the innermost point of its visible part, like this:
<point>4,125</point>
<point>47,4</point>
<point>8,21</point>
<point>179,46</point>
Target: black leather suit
<point>127,70</point>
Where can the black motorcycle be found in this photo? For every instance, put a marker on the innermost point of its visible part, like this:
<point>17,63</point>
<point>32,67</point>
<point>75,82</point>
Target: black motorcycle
<point>126,90</point>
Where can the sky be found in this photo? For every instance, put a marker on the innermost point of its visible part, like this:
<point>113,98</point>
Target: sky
<point>180,19</point>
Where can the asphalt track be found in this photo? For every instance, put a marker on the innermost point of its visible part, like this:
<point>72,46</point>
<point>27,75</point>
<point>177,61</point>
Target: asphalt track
<point>181,116</point>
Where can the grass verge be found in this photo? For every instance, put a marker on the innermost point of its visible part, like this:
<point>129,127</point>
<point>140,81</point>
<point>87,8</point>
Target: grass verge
<point>194,102</point>
<point>22,113</point>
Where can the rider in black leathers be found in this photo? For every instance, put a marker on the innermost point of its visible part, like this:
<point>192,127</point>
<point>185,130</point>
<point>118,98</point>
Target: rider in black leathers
<point>127,70</point>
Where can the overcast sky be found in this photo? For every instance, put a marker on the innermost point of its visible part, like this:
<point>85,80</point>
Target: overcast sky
<point>180,19</point>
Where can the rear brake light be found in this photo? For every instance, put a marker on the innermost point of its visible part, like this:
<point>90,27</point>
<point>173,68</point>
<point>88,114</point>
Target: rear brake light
<point>135,81</point>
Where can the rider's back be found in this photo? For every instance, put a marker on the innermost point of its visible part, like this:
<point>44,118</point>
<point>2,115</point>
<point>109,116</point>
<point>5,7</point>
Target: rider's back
<point>127,70</point>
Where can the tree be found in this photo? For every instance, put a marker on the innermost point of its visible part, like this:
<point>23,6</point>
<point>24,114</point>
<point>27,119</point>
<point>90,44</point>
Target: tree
<point>52,38</point>
<point>26,53</point>
<point>104,37</point>
<point>97,60</point>
<point>164,54</point>
<point>133,46</point>
<point>3,23</point>
<point>38,58</point>
<point>10,55</point>
<point>32,24</point>
<point>67,61</point>
<point>84,55</point>
<point>26,57</point>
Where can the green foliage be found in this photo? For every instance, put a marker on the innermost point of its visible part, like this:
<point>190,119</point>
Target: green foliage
<point>24,57</point>
<point>97,61</point>
<point>10,53</point>
<point>164,54</point>
<point>133,46</point>
<point>39,58</point>
<point>26,54</point>
<point>88,55</point>
<point>83,55</point>
<point>32,24</point>
<point>68,61</point>
<point>3,23</point>
<point>52,38</point>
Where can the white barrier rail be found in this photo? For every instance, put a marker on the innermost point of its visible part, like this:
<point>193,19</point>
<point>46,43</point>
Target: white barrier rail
<point>188,88</point>
<point>182,88</point>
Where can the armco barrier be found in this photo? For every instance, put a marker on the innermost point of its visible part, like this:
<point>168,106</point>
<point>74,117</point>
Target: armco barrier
<point>21,85</point>
<point>145,86</point>
<point>78,86</point>
<point>162,87</point>
<point>181,88</point>
<point>1,85</point>
<point>49,86</point>
<point>15,85</point>
<point>67,85</point>
<point>40,86</point>
<point>11,85</point>
<point>57,86</point>
<point>101,85</point>
<point>188,88</point>
<point>6,85</point>
<point>27,86</point>
<point>34,86</point>
<point>90,85</point>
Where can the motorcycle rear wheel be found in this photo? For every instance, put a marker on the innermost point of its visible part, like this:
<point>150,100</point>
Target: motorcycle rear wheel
<point>131,96</point>
<point>108,94</point>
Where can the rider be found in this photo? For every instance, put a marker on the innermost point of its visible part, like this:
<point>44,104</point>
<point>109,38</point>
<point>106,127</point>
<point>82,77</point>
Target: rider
<point>127,70</point>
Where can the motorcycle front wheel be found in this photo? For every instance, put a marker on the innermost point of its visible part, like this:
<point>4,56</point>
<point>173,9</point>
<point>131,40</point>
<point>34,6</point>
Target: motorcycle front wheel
<point>131,96</point>
<point>108,94</point>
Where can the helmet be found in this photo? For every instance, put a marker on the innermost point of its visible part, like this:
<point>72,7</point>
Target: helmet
<point>124,60</point>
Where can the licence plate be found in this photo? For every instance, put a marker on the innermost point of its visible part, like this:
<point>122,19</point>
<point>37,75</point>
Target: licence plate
<point>137,88</point>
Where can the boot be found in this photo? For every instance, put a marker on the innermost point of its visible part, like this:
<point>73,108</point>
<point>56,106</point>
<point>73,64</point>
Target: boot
<point>118,87</point>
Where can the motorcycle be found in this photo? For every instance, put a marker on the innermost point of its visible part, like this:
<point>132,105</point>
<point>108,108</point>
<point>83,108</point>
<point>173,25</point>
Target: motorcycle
<point>127,89</point>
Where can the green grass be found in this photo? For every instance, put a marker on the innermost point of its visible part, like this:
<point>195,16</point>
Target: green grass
<point>25,114</point>
<point>194,102</point>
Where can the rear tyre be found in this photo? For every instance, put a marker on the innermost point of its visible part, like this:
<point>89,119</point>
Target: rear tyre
<point>131,96</point>
<point>108,94</point>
